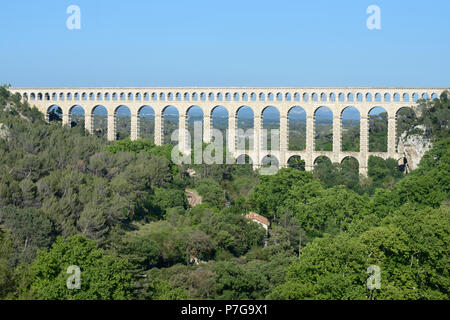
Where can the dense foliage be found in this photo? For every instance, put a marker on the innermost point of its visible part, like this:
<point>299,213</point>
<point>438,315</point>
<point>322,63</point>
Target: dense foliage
<point>119,211</point>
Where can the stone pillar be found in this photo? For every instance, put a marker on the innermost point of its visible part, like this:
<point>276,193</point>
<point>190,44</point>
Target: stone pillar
<point>159,127</point>
<point>337,123</point>
<point>65,119</point>
<point>88,123</point>
<point>284,140</point>
<point>231,133</point>
<point>391,136</point>
<point>182,136</point>
<point>309,164</point>
<point>207,125</point>
<point>134,127</point>
<point>111,127</point>
<point>257,143</point>
<point>363,144</point>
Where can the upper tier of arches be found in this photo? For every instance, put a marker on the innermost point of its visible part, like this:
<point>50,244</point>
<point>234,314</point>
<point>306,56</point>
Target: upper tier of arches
<point>330,95</point>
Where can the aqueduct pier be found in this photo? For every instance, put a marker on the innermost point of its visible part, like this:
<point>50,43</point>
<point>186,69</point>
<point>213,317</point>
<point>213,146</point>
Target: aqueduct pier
<point>232,99</point>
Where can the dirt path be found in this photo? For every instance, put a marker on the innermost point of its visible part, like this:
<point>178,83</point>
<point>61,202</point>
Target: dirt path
<point>193,197</point>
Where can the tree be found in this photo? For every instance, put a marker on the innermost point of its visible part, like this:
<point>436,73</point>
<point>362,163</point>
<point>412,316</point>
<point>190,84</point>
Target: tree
<point>102,276</point>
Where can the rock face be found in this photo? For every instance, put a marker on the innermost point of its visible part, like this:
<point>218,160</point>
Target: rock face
<point>4,132</point>
<point>413,145</point>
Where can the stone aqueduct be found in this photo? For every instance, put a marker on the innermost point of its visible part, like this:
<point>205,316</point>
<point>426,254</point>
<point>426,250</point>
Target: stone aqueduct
<point>258,99</point>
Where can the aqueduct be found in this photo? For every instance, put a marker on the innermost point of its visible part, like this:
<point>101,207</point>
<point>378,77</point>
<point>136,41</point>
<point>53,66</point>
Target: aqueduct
<point>232,99</point>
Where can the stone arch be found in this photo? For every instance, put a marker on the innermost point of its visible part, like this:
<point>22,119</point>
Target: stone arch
<point>288,97</point>
<point>405,118</point>
<point>369,97</point>
<point>123,96</point>
<point>378,97</point>
<point>54,96</point>
<point>244,159</point>
<point>322,160</point>
<point>146,122</point>
<point>219,96</point>
<point>270,120</point>
<point>296,128</point>
<point>296,162</point>
<point>332,97</point>
<point>269,161</point>
<point>236,96</point>
<point>219,121</point>
<point>323,129</point>
<point>305,97</point>
<point>350,165</point>
<point>91,96</point>
<point>396,97</point>
<point>378,129</point>
<point>162,96</point>
<point>170,117</point>
<point>32,96</point>
<point>350,129</point>
<point>415,97</point>
<point>359,97</point>
<point>211,96</point>
<point>54,113</point>
<point>194,117</point>
<point>186,96</point>
<point>323,96</point>
<point>262,97</point>
<point>245,125</point>
<point>76,115</point>
<point>99,117</point>
<point>406,97</point>
<point>387,97</point>
<point>99,96</point>
<point>279,96</point>
<point>314,97</point>
<point>122,118</point>
<point>341,97</point>
<point>434,95</point>
<point>253,96</point>
<point>350,97</point>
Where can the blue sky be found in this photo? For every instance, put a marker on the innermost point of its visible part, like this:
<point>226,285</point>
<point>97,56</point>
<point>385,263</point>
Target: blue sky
<point>225,43</point>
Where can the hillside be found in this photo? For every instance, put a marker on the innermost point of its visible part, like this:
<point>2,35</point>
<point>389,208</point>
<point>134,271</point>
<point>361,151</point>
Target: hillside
<point>119,211</point>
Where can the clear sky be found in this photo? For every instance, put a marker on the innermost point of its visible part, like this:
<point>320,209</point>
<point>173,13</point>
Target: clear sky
<point>225,43</point>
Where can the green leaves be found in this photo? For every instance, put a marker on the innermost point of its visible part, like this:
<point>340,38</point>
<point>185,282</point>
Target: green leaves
<point>102,276</point>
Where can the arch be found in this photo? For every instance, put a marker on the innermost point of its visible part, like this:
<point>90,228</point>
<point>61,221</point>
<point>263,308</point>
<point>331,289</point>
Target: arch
<point>296,162</point>
<point>406,97</point>
<point>169,123</point>
<point>296,128</point>
<point>305,97</point>
<point>99,97</point>
<point>270,160</point>
<point>32,96</point>
<point>47,96</point>
<point>244,159</point>
<point>162,96</point>
<point>146,123</point>
<point>219,121</point>
<point>270,96</point>
<point>219,96</point>
<point>350,169</point>
<point>236,96</point>
<point>323,129</point>
<point>211,96</point>
<point>195,117</point>
<point>262,97</point>
<point>39,96</point>
<point>341,97</point>
<point>122,118</point>
<point>377,97</point>
<point>76,116</point>
<point>350,129</point>
<point>396,97</point>
<point>322,160</point>
<point>359,97</point>
<point>54,96</point>
<point>387,97</point>
<point>405,118</point>
<point>228,96</point>
<point>138,96</point>
<point>323,96</point>
<point>253,96</point>
<point>270,135</point>
<point>314,97</point>
<point>279,97</point>
<point>434,95</point>
<point>170,96</point>
<point>332,97</point>
<point>91,96</point>
<point>288,97</point>
<point>54,113</point>
<point>415,97</point>
<point>369,97</point>
<point>244,128</point>
<point>297,96</point>
<point>378,129</point>
<point>178,96</point>
<point>99,118</point>
<point>425,96</point>
<point>107,96</point>
<point>187,96</point>
<point>350,97</point>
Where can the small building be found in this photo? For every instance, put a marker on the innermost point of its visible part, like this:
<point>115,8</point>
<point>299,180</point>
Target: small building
<point>259,219</point>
